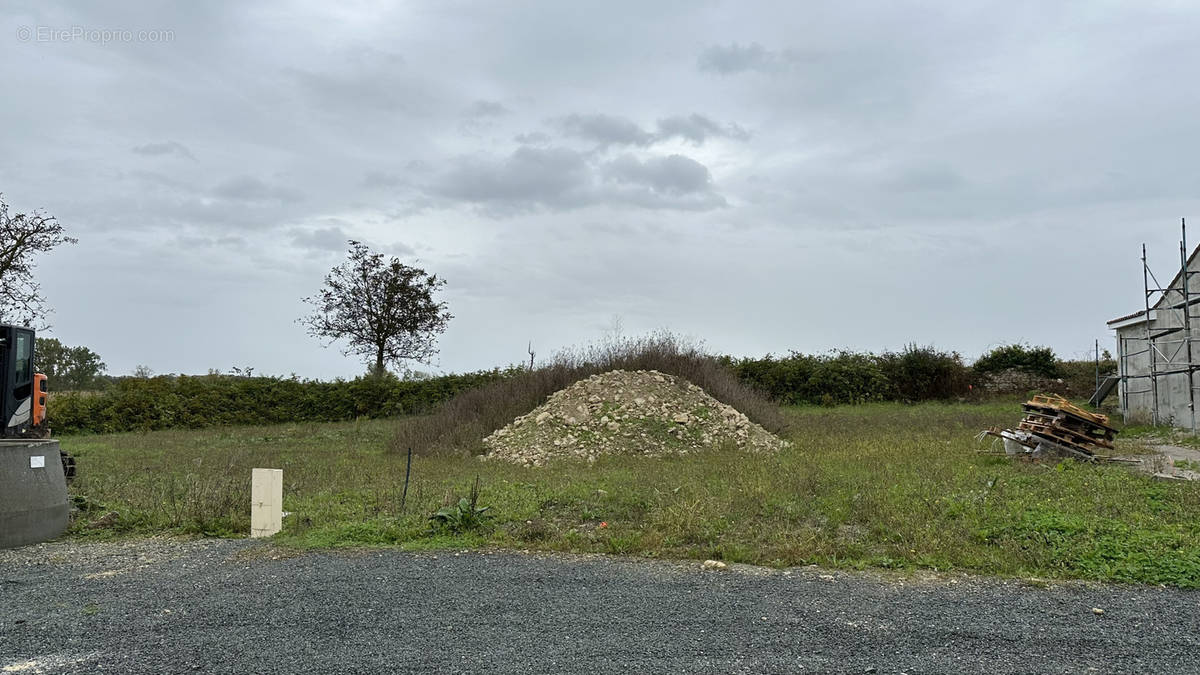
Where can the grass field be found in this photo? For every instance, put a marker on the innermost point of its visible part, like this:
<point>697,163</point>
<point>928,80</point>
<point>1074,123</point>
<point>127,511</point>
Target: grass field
<point>883,485</point>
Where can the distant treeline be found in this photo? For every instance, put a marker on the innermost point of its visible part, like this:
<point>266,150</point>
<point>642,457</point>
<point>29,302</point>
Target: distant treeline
<point>912,374</point>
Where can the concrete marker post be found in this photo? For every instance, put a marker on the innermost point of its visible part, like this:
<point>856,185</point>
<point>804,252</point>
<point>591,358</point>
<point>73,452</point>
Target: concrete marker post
<point>266,502</point>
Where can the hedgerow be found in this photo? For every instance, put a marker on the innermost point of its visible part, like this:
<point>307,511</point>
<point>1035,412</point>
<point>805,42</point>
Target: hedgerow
<point>913,374</point>
<point>163,402</point>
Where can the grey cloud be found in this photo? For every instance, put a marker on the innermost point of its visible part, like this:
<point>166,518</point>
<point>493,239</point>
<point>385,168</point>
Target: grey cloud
<point>647,198</point>
<point>612,130</point>
<point>563,179</point>
<point>158,180</point>
<point>698,128</point>
<point>193,241</point>
<point>671,182</point>
<point>604,129</point>
<point>331,238</point>
<point>332,90</point>
<point>348,82</point>
<point>550,176</point>
<point>164,148</point>
<point>674,174</point>
<point>533,138</point>
<point>250,189</point>
<point>401,250</point>
<point>487,109</point>
<point>733,59</point>
<point>381,179</point>
<point>923,178</point>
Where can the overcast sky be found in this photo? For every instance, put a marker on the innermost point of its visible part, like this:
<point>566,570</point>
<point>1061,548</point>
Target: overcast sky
<point>760,176</point>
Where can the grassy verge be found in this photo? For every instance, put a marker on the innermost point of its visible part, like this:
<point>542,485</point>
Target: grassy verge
<point>880,485</point>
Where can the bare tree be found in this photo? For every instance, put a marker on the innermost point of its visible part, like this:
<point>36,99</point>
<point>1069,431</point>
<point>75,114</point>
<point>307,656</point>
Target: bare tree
<point>384,309</point>
<point>22,237</point>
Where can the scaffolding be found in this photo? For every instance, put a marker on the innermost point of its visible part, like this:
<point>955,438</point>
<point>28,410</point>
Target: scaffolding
<point>1166,339</point>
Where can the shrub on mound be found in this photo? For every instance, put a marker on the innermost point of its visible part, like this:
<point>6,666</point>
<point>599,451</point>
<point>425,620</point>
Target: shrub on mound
<point>645,413</point>
<point>462,422</point>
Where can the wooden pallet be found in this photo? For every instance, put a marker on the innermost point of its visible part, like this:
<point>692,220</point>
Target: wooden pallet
<point>1059,403</point>
<point>1085,432</point>
<point>1063,436</point>
<point>1067,414</point>
<point>1081,453</point>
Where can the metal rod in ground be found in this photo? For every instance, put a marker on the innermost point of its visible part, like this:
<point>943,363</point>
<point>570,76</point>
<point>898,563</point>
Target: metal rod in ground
<point>407,471</point>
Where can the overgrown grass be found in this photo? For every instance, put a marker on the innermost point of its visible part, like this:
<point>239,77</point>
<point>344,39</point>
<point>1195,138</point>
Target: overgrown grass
<point>879,485</point>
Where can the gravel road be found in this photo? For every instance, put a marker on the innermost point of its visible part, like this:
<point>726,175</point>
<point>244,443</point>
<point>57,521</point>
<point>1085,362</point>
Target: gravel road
<point>238,606</point>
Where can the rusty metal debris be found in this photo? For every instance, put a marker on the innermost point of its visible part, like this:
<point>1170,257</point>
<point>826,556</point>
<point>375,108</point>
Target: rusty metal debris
<point>1053,426</point>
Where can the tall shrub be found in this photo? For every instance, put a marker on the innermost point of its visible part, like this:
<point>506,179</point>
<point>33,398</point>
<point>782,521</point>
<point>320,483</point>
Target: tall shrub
<point>1033,360</point>
<point>924,373</point>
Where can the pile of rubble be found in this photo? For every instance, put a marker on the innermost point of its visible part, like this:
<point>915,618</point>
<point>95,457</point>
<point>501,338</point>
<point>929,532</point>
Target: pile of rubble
<point>1052,425</point>
<point>642,412</point>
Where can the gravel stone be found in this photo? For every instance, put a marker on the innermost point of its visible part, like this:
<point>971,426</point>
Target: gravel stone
<point>239,606</point>
<point>641,412</point>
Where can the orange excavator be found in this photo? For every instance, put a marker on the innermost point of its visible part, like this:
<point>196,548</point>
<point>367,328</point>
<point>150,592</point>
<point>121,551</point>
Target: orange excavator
<point>23,390</point>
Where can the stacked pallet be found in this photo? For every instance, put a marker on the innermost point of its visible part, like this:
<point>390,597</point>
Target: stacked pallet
<point>1052,423</point>
<point>1056,419</point>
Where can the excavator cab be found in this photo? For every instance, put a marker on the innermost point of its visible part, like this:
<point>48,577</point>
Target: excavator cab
<point>22,391</point>
<point>35,504</point>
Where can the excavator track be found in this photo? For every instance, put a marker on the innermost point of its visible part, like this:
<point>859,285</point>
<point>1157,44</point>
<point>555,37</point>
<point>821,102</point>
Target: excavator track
<point>68,464</point>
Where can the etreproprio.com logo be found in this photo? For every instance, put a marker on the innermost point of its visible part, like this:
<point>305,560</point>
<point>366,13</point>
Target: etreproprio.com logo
<point>95,35</point>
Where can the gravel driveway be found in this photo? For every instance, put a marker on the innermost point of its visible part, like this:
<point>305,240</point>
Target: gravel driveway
<point>233,606</point>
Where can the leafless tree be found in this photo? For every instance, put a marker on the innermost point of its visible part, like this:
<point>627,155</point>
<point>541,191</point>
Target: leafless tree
<point>384,309</point>
<point>22,237</point>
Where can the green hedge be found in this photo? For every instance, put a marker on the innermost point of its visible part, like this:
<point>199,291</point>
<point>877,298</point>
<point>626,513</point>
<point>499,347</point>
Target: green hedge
<point>914,374</point>
<point>1033,360</point>
<point>143,404</point>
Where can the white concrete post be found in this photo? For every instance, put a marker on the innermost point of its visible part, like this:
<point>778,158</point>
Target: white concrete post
<point>266,502</point>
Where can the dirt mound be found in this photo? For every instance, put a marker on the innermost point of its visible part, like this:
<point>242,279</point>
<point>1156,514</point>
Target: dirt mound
<point>641,412</point>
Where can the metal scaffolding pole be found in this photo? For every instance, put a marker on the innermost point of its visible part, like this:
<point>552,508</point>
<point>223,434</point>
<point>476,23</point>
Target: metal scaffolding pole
<point>1150,341</point>
<point>1185,280</point>
<point>1122,372</point>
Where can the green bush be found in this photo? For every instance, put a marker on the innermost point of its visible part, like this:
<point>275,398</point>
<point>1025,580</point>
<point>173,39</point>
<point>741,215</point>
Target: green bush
<point>914,374</point>
<point>1033,360</point>
<point>164,402</point>
<point>924,373</point>
<point>848,377</point>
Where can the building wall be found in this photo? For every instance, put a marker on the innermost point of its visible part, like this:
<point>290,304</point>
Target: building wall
<point>1174,390</point>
